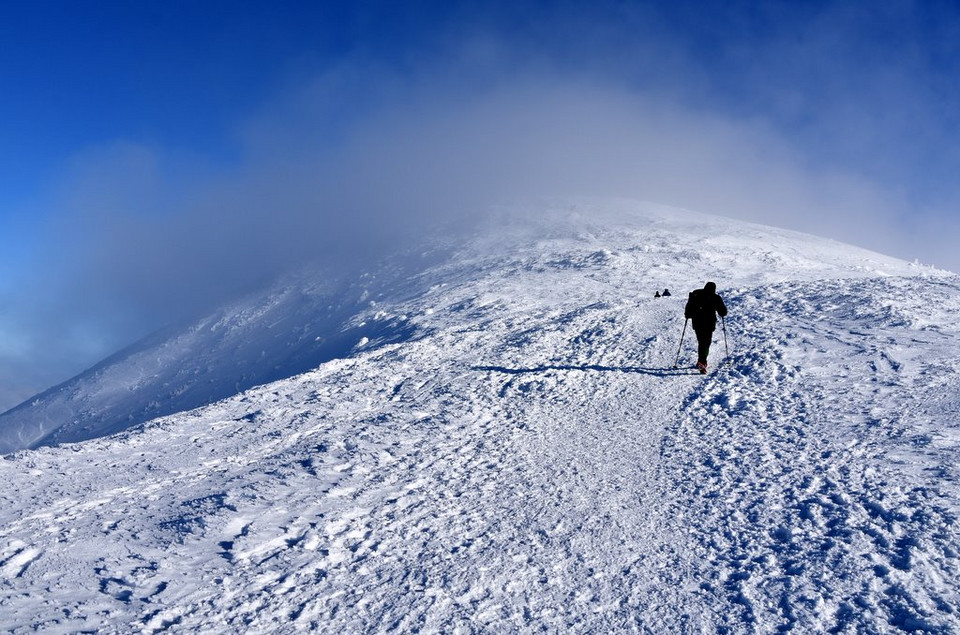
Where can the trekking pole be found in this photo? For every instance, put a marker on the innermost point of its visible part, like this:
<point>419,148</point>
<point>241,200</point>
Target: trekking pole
<point>725,347</point>
<point>677,363</point>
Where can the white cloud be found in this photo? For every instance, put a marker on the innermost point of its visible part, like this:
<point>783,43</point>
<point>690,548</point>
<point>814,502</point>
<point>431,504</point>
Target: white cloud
<point>361,158</point>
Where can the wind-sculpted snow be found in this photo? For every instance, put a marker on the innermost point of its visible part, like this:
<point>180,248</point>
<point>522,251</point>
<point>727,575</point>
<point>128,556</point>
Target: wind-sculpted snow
<point>294,327</point>
<point>532,461</point>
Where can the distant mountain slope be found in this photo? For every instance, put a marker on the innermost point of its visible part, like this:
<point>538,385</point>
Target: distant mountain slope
<point>531,460</point>
<point>289,329</point>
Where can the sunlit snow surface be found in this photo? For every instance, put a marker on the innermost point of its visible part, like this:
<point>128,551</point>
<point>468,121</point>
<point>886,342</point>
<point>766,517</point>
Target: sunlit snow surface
<point>527,458</point>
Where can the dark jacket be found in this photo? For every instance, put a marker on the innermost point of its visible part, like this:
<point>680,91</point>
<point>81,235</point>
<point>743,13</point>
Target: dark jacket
<point>702,307</point>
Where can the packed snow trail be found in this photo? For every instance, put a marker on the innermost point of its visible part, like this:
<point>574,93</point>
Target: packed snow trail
<point>485,508</point>
<point>531,461</point>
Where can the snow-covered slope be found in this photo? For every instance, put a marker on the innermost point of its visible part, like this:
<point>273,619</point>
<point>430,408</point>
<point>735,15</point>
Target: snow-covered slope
<point>294,326</point>
<point>531,460</point>
<point>309,318</point>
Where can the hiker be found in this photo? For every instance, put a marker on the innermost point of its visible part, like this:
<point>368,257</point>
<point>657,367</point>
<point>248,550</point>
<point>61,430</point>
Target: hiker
<point>657,294</point>
<point>702,307</point>
<point>666,293</point>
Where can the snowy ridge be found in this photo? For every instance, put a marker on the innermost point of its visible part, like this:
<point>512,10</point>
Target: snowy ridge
<point>293,327</point>
<point>533,461</point>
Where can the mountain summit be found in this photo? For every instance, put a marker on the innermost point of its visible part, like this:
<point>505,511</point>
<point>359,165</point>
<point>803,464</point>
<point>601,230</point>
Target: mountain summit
<point>312,317</point>
<point>495,438</point>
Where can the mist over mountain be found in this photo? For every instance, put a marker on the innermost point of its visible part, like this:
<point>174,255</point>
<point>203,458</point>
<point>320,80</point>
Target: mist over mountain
<point>306,317</point>
<point>503,431</point>
<point>313,316</point>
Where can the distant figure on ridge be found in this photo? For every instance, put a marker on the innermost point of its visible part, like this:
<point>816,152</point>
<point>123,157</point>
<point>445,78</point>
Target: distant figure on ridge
<point>702,307</point>
<point>666,293</point>
<point>656,294</point>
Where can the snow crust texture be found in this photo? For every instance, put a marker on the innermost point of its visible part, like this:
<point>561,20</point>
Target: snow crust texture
<point>528,458</point>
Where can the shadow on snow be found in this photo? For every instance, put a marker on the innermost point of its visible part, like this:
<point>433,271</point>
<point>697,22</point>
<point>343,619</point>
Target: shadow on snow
<point>597,368</point>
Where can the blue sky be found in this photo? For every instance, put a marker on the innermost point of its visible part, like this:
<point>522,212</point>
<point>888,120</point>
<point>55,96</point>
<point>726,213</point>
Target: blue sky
<point>157,157</point>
